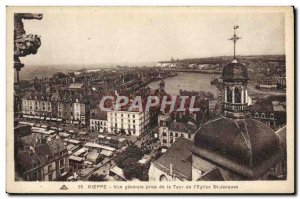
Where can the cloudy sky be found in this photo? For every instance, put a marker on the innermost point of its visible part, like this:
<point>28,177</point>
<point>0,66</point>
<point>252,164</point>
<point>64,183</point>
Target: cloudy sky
<point>104,36</point>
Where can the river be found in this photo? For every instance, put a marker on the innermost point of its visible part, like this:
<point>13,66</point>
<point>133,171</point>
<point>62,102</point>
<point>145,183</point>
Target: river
<point>188,81</point>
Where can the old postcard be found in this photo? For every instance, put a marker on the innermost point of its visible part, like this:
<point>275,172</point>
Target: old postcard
<point>150,100</point>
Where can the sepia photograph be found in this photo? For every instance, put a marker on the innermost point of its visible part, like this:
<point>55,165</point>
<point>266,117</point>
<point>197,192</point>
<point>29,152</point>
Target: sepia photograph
<point>150,100</point>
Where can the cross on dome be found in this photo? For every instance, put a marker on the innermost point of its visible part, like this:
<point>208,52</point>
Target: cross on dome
<point>234,38</point>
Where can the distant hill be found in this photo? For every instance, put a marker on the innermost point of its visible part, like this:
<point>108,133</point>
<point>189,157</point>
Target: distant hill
<point>226,59</point>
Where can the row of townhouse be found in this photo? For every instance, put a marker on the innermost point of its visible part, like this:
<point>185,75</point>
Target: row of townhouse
<point>48,161</point>
<point>71,108</point>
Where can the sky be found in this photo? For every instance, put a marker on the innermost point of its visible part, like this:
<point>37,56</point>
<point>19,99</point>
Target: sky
<point>122,36</point>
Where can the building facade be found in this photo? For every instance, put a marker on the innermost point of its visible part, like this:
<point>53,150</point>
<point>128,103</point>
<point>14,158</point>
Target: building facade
<point>129,123</point>
<point>45,161</point>
<point>37,104</point>
<point>169,131</point>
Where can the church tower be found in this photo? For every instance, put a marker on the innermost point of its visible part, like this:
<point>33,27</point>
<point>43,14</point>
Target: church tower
<point>235,94</point>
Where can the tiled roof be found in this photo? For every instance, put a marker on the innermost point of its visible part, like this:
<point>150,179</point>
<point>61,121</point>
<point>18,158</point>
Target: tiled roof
<point>56,146</point>
<point>182,127</point>
<point>30,139</point>
<point>101,115</point>
<point>44,153</point>
<point>179,155</point>
<point>28,160</point>
<point>213,175</point>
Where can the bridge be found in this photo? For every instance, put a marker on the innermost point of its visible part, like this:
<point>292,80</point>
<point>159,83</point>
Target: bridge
<point>192,70</point>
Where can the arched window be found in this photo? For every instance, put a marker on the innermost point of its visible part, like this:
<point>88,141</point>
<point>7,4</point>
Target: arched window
<point>272,116</point>
<point>237,95</point>
<point>225,93</point>
<point>163,178</point>
<point>256,115</point>
<point>229,95</point>
<point>263,115</point>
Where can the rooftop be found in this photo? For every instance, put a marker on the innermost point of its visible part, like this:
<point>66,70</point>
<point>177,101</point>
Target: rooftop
<point>241,144</point>
<point>180,156</point>
<point>75,85</point>
<point>183,127</point>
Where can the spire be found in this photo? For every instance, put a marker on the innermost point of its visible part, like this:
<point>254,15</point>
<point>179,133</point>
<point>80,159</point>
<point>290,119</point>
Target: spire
<point>234,38</point>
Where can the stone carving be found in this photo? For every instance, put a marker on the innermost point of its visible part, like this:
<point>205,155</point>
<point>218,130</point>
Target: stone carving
<point>24,44</point>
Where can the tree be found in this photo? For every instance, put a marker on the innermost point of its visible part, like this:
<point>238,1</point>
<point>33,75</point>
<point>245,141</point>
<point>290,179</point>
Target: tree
<point>132,152</point>
<point>132,169</point>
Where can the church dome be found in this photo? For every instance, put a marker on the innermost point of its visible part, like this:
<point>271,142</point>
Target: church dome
<point>244,141</point>
<point>234,71</point>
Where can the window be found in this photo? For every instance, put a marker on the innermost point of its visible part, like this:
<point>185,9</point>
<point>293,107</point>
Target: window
<point>189,136</point>
<point>272,116</point>
<point>171,133</point>
<point>256,115</point>
<point>176,134</point>
<point>229,95</point>
<point>182,135</point>
<point>49,168</point>
<point>50,177</point>
<point>62,162</point>
<point>133,121</point>
<point>164,134</point>
<point>262,115</point>
<point>164,141</point>
<point>163,178</point>
<point>133,117</point>
<point>34,176</point>
<point>237,95</point>
<point>121,115</point>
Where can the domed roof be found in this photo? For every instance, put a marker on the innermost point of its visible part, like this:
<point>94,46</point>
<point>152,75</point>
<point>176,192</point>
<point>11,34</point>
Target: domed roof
<point>247,141</point>
<point>234,71</point>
